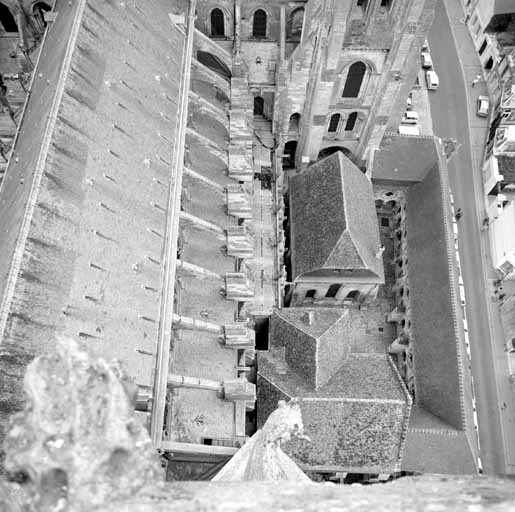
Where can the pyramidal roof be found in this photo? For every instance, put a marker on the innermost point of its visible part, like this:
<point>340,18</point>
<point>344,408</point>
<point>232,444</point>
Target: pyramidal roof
<point>333,219</point>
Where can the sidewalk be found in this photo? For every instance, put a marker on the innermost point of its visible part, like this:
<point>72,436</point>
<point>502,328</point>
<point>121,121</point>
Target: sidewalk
<point>478,127</point>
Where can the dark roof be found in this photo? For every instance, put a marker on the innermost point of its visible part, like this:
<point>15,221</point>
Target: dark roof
<point>317,351</point>
<point>433,298</point>
<point>432,446</point>
<point>355,421</point>
<point>403,159</point>
<point>333,219</point>
<point>507,168</point>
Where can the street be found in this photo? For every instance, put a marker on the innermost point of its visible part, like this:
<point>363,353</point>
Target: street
<point>451,114</point>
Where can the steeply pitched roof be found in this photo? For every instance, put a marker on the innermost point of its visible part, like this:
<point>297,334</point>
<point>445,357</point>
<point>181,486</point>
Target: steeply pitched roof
<point>333,219</point>
<point>318,340</point>
<point>355,421</point>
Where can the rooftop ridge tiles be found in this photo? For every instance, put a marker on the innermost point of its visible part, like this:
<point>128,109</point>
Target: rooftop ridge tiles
<point>295,326</point>
<point>275,385</point>
<point>449,240</point>
<point>407,414</point>
<point>348,399</point>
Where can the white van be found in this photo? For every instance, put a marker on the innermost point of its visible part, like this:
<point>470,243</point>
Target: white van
<point>410,117</point>
<point>432,80</point>
<point>408,129</point>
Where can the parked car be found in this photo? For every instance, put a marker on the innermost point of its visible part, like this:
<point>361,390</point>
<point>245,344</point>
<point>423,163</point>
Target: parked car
<point>410,117</point>
<point>425,46</point>
<point>432,80</point>
<point>483,106</point>
<point>409,101</point>
<point>427,62</point>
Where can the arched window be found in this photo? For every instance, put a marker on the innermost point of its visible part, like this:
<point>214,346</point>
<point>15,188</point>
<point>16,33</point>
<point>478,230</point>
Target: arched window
<point>333,123</point>
<point>7,19</point>
<point>295,22</point>
<point>483,47</point>
<point>354,80</point>
<point>333,290</point>
<point>259,24</point>
<point>351,122</point>
<point>259,106</point>
<point>310,294</point>
<point>290,148</point>
<point>294,123</point>
<point>489,64</point>
<point>353,294</point>
<point>38,10</point>
<point>217,23</point>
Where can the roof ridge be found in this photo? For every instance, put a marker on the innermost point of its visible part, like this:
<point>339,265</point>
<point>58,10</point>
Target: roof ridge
<point>275,385</point>
<point>437,431</point>
<point>302,330</point>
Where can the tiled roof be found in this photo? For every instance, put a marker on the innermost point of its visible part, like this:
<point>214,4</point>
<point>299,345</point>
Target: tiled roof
<point>355,421</point>
<point>333,219</point>
<point>506,166</point>
<point>403,159</point>
<point>433,303</point>
<point>438,451</point>
<point>317,350</point>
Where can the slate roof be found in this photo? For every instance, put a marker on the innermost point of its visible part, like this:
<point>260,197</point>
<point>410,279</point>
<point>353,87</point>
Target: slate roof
<point>441,437</point>
<point>316,351</point>
<point>432,446</point>
<point>403,159</point>
<point>433,301</point>
<point>506,166</point>
<point>333,220</point>
<point>355,422</point>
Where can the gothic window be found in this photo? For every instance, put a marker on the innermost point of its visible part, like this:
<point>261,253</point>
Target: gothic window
<point>483,47</point>
<point>489,64</point>
<point>295,21</point>
<point>353,294</point>
<point>354,80</point>
<point>38,10</point>
<point>333,290</point>
<point>294,123</point>
<point>259,106</point>
<point>217,23</point>
<point>259,24</point>
<point>333,123</point>
<point>351,122</point>
<point>7,19</point>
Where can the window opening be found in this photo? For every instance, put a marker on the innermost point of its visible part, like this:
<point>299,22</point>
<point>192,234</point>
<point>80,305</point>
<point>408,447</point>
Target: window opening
<point>333,123</point>
<point>354,80</point>
<point>259,24</point>
<point>351,122</point>
<point>333,290</point>
<point>217,23</point>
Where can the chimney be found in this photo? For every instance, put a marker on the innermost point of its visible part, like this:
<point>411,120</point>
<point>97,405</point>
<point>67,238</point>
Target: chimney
<point>309,318</point>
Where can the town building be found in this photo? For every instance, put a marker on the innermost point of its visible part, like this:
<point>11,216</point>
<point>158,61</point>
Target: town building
<point>402,347</point>
<point>162,149</point>
<point>336,255</point>
<point>491,24</point>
